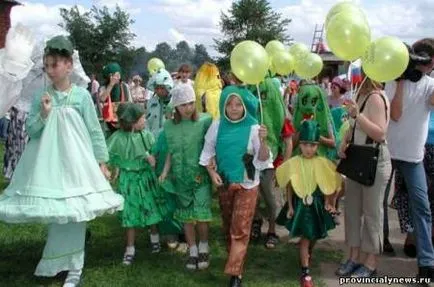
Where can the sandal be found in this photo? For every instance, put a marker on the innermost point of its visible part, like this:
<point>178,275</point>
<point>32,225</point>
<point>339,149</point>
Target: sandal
<point>128,259</point>
<point>191,263</point>
<point>272,240</point>
<point>256,229</point>
<point>155,247</point>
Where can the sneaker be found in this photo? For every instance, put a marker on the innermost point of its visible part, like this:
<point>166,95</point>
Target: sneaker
<point>347,268</point>
<point>191,263</point>
<point>73,279</point>
<point>256,229</point>
<point>172,244</point>
<point>203,261</point>
<point>155,247</point>
<point>182,248</point>
<point>128,259</point>
<point>306,281</point>
<point>364,272</point>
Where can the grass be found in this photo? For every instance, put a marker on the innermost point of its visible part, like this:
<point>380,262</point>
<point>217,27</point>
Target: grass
<point>21,247</point>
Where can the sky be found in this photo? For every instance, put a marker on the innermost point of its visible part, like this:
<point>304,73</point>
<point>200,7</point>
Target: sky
<point>196,21</point>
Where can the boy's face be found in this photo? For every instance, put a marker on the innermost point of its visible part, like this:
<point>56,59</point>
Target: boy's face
<point>308,149</point>
<point>234,108</point>
<point>161,91</point>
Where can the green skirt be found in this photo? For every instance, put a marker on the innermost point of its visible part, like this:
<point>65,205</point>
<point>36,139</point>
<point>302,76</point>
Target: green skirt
<point>309,221</point>
<point>140,207</point>
<point>198,208</point>
<point>166,203</point>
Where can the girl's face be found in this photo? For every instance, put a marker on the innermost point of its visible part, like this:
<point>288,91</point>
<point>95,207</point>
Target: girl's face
<point>308,150</point>
<point>57,69</point>
<point>140,124</point>
<point>161,91</point>
<point>336,91</point>
<point>234,108</point>
<point>184,75</point>
<point>186,110</point>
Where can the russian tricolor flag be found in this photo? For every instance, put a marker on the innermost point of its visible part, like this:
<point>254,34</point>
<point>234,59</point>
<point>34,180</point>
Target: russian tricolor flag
<point>356,72</point>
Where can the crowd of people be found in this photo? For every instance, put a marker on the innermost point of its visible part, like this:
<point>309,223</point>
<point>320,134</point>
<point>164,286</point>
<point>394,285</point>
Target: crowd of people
<point>155,152</point>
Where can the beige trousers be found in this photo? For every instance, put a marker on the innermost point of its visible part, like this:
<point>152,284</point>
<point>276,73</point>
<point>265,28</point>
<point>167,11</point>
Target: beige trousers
<point>364,208</point>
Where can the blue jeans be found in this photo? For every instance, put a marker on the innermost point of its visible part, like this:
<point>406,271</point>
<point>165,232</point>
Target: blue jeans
<point>415,181</point>
<point>4,124</point>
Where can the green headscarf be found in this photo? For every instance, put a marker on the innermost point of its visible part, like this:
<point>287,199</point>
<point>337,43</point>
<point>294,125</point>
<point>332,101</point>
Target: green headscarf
<point>233,137</point>
<point>130,112</point>
<point>311,104</point>
<point>107,71</point>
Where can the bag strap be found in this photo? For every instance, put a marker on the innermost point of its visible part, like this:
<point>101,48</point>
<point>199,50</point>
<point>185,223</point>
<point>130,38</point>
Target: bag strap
<point>368,139</point>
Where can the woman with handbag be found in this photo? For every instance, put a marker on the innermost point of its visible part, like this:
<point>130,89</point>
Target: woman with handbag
<point>365,189</point>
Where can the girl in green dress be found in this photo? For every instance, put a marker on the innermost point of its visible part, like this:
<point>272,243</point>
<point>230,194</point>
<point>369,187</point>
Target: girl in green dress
<point>313,180</point>
<point>192,186</point>
<point>129,150</point>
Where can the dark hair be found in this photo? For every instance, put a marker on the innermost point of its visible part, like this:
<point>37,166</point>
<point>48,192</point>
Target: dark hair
<point>126,126</point>
<point>185,68</point>
<point>58,55</point>
<point>177,116</point>
<point>424,47</point>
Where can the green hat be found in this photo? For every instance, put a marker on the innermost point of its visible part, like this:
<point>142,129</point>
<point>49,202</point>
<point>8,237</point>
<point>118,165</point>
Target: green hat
<point>59,43</point>
<point>309,132</point>
<point>130,112</point>
<point>111,69</point>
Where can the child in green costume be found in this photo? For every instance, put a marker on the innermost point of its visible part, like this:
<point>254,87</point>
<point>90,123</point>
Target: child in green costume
<point>192,187</point>
<point>313,180</point>
<point>311,104</point>
<point>129,153</point>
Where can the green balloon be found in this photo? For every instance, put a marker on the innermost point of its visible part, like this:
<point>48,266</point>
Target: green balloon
<point>385,59</point>
<point>309,67</point>
<point>154,65</point>
<point>348,7</point>
<point>249,62</point>
<point>299,50</point>
<point>282,63</point>
<point>273,47</point>
<point>348,35</point>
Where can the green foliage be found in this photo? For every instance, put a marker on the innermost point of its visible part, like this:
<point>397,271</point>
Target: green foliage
<point>250,20</point>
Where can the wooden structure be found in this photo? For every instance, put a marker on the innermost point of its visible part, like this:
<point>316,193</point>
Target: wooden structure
<point>5,18</point>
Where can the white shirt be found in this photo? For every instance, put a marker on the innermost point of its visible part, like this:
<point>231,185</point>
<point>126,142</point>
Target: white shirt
<point>177,82</point>
<point>95,87</point>
<point>406,138</point>
<point>209,151</point>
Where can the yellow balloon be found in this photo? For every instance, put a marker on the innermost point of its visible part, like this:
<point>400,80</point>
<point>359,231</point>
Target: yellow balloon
<point>385,59</point>
<point>309,67</point>
<point>348,36</point>
<point>249,62</point>
<point>348,7</point>
<point>298,51</point>
<point>273,47</point>
<point>154,65</point>
<point>283,63</point>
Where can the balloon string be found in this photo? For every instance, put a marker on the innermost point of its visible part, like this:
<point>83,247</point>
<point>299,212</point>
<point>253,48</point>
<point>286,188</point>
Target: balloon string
<point>350,76</point>
<point>260,104</point>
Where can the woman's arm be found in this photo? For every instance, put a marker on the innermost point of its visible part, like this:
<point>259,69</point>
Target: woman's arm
<point>374,122</point>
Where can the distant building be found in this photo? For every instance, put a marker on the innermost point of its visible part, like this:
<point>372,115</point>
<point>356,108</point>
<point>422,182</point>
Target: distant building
<point>5,18</point>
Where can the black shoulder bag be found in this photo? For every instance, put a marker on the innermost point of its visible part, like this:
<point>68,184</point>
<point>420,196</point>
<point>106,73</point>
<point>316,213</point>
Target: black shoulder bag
<point>361,161</point>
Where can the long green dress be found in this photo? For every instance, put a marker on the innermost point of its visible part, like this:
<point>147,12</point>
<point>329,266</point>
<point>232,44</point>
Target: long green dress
<point>192,185</point>
<point>137,182</point>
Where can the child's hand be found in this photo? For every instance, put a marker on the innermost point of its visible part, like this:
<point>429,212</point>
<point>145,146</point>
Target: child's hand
<point>290,212</point>
<point>212,164</point>
<point>162,177</point>
<point>216,179</point>
<point>105,171</point>
<point>262,132</point>
<point>45,105</point>
<point>151,161</point>
<point>342,150</point>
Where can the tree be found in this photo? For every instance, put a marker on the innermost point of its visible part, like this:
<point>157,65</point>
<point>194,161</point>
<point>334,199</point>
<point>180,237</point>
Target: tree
<point>200,56</point>
<point>250,20</point>
<point>100,36</point>
<point>183,52</point>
